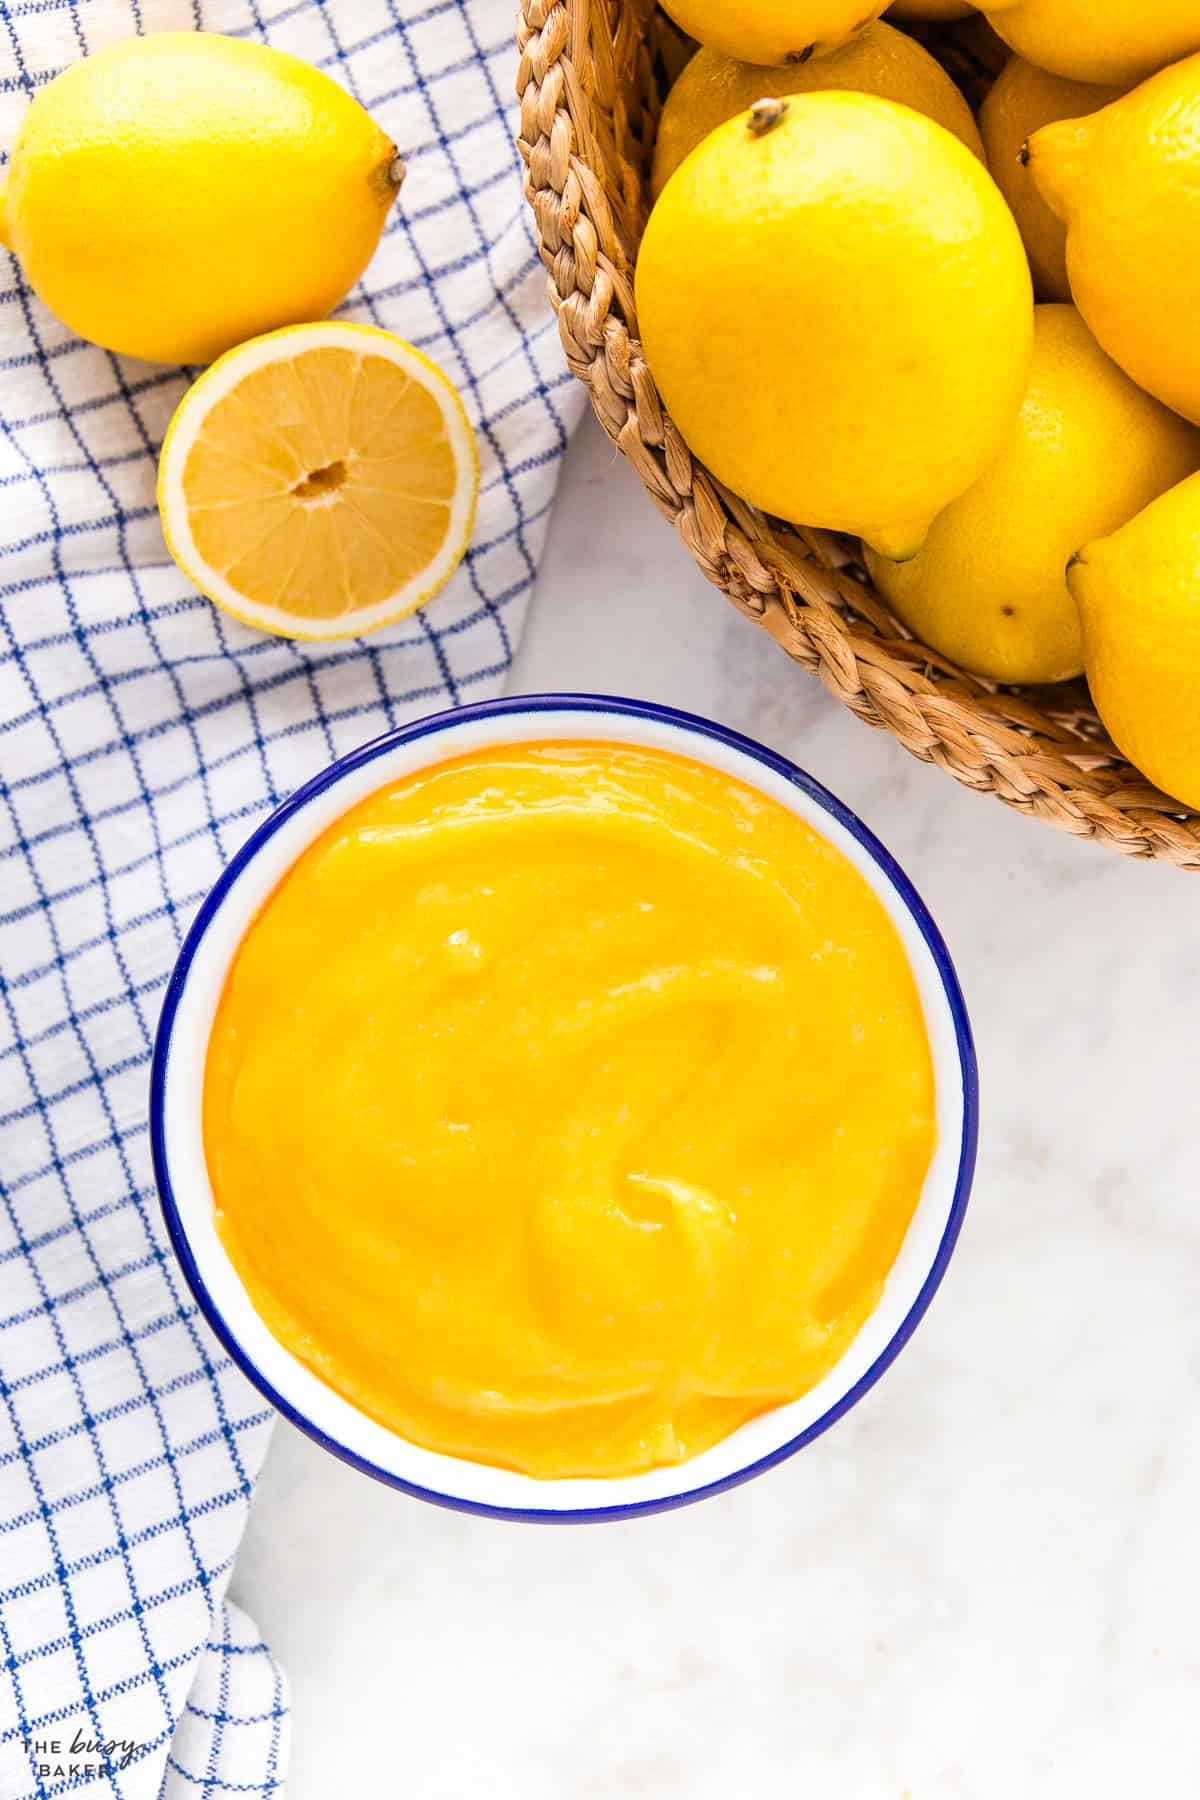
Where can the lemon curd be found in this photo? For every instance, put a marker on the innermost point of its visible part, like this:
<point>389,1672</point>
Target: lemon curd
<point>566,1106</point>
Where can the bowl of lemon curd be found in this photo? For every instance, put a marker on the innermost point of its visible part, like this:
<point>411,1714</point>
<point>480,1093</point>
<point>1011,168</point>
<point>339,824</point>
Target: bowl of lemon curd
<point>563,1108</point>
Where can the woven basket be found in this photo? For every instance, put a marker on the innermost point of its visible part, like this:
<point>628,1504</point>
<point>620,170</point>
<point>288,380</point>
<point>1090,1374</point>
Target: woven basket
<point>591,80</point>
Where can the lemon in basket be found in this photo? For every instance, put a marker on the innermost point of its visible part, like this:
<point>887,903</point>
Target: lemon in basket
<point>1020,101</point>
<point>175,194</point>
<point>836,307</point>
<point>713,88</point>
<point>1138,592</point>
<point>1127,183</point>
<point>319,481</point>
<point>773,31</point>
<point>1112,41</point>
<point>1089,449</point>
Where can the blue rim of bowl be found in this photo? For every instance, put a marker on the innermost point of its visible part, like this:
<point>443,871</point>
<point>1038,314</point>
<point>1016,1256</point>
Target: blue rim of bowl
<point>651,712</point>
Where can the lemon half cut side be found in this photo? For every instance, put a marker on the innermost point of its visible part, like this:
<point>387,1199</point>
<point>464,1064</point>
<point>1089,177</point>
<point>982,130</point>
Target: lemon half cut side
<point>319,481</point>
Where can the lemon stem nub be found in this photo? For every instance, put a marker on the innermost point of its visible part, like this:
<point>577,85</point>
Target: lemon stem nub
<point>765,115</point>
<point>397,169</point>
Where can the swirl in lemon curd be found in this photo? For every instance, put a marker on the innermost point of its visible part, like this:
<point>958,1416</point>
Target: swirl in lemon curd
<point>566,1106</point>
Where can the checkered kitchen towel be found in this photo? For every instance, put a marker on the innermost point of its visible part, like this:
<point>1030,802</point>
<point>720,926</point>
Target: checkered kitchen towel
<point>142,736</point>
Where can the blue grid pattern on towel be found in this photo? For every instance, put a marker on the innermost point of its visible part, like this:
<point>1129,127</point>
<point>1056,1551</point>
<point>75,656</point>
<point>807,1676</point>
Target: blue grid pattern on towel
<point>143,734</point>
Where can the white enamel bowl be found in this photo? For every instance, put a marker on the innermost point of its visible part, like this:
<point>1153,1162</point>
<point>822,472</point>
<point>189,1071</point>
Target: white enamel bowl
<point>177,1077</point>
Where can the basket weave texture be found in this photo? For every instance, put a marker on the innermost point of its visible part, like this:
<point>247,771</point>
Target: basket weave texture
<point>591,81</point>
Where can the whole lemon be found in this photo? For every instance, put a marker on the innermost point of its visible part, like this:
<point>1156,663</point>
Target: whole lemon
<point>988,587</point>
<point>1116,42</point>
<point>1021,100</point>
<point>175,194</point>
<point>835,305</point>
<point>773,31</point>
<point>1127,183</point>
<point>1138,593</point>
<point>712,88</point>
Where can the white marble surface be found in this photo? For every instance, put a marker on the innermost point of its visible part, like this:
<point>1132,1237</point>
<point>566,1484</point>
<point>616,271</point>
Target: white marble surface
<point>983,1582</point>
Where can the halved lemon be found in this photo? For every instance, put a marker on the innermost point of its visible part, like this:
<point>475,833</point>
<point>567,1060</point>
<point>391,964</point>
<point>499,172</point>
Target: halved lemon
<point>319,481</point>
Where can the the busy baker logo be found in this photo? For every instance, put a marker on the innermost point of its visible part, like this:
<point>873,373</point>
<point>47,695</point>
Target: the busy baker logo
<point>81,1757</point>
